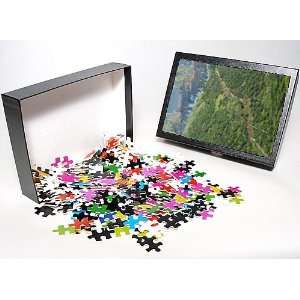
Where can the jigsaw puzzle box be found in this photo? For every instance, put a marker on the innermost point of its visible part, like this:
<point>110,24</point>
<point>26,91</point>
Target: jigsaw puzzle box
<point>68,114</point>
<point>68,139</point>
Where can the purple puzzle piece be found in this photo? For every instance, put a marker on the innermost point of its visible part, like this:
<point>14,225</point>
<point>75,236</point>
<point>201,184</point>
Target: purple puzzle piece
<point>107,181</point>
<point>149,172</point>
<point>235,189</point>
<point>67,162</point>
<point>206,189</point>
<point>89,195</point>
<point>56,162</point>
<point>205,214</point>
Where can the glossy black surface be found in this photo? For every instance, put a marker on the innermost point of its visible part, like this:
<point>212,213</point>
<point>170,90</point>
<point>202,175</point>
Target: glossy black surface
<point>14,121</point>
<point>128,102</point>
<point>222,151</point>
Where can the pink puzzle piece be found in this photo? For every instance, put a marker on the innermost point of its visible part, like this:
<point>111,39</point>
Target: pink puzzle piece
<point>206,189</point>
<point>151,201</point>
<point>172,204</point>
<point>200,188</point>
<point>197,186</point>
<point>158,184</point>
<point>234,189</point>
<point>183,192</point>
<point>67,177</point>
<point>178,174</point>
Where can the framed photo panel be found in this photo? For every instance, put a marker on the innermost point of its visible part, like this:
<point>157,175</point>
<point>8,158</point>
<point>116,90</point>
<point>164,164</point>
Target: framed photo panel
<point>229,108</point>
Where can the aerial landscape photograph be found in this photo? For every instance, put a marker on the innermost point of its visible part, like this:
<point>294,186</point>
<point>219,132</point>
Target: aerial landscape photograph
<point>237,108</point>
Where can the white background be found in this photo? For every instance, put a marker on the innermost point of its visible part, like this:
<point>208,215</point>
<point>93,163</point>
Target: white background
<point>74,119</point>
<point>134,19</point>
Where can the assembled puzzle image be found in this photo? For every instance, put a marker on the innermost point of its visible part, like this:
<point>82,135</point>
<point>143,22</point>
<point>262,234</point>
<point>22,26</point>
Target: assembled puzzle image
<point>231,108</point>
<point>116,191</point>
<point>246,106</point>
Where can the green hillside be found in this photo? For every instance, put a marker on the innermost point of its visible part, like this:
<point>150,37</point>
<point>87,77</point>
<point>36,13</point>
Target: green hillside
<point>239,109</point>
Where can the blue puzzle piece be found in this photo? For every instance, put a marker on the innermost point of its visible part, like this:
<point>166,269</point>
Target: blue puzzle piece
<point>107,217</point>
<point>185,179</point>
<point>142,185</point>
<point>133,221</point>
<point>80,184</point>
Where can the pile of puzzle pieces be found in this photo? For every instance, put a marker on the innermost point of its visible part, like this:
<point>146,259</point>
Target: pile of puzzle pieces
<point>115,191</point>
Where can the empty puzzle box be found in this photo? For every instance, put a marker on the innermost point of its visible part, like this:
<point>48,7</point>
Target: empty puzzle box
<point>47,116</point>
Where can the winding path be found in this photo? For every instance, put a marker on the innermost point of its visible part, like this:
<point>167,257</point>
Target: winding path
<point>247,112</point>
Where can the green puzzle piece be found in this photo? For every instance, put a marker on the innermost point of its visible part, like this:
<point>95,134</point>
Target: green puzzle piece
<point>98,209</point>
<point>119,230</point>
<point>164,194</point>
<point>209,197</point>
<point>113,168</point>
<point>61,229</point>
<point>153,209</point>
<point>199,174</point>
<point>236,200</point>
<point>109,198</point>
<point>157,157</point>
